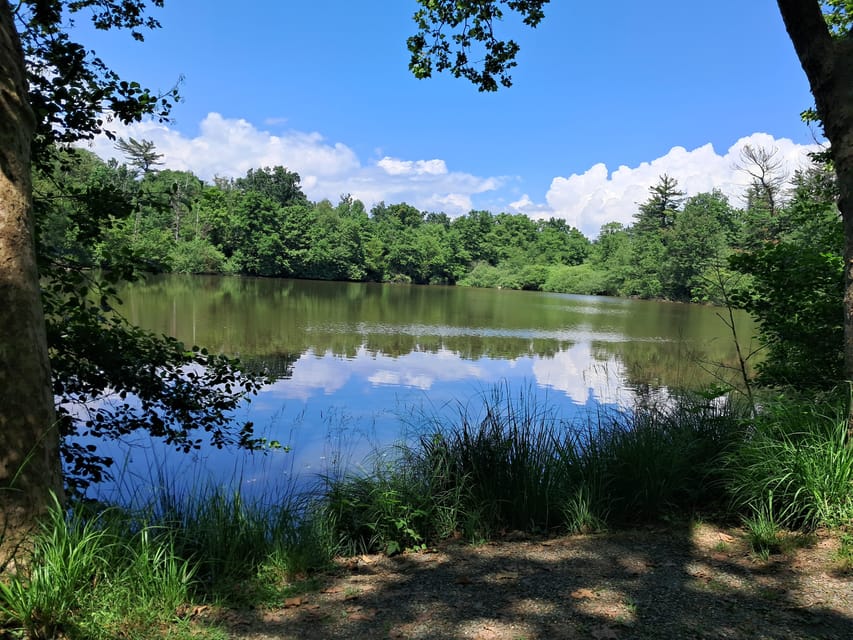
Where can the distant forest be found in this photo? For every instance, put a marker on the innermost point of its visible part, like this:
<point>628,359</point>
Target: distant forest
<point>679,246</point>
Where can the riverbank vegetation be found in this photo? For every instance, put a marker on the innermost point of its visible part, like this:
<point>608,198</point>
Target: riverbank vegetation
<point>778,255</point>
<point>504,464</point>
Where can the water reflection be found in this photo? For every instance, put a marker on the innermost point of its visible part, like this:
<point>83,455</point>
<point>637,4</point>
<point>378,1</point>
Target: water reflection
<point>360,366</point>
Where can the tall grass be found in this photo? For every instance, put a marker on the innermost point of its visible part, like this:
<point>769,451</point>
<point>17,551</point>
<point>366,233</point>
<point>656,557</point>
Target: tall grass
<point>106,573</point>
<point>88,577</point>
<point>797,454</point>
<point>514,464</point>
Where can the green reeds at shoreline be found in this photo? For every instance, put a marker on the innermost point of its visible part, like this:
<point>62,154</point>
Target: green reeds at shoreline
<point>505,465</point>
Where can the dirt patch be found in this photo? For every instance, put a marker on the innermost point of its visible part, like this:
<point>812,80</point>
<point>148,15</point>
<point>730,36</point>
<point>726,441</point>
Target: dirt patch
<point>700,582</point>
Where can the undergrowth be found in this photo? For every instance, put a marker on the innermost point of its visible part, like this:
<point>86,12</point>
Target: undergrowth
<point>505,464</point>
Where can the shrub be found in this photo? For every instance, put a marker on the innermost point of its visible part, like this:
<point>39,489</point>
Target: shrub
<point>582,279</point>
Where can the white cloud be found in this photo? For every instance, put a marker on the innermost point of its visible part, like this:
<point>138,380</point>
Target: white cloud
<point>229,147</point>
<point>598,196</point>
<point>314,374</point>
<point>578,374</point>
<point>397,167</point>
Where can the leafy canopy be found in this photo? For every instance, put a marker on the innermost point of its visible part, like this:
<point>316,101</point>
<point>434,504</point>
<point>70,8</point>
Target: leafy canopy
<point>73,93</point>
<point>472,34</point>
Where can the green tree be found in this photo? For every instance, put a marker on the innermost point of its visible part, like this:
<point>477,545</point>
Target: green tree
<point>697,243</point>
<point>140,154</point>
<point>796,286</point>
<point>66,339</point>
<point>650,236</point>
<point>475,232</point>
<point>559,243</point>
<point>611,253</point>
<point>278,184</point>
<point>658,213</point>
<point>512,237</point>
<point>461,36</point>
<point>35,112</point>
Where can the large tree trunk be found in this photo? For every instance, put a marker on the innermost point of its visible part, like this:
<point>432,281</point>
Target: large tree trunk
<point>828,63</point>
<point>29,440</point>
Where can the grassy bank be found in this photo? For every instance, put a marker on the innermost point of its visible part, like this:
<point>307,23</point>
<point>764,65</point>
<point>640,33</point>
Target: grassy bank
<point>504,464</point>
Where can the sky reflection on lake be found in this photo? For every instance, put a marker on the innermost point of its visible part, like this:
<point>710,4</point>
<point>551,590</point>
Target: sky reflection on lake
<point>363,366</point>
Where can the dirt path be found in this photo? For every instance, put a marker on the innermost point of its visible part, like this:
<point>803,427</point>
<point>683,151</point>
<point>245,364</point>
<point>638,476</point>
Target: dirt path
<point>701,582</point>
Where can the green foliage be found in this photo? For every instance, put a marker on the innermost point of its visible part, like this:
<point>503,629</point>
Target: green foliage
<point>796,288</point>
<point>196,256</point>
<point>385,512</point>
<point>448,29</point>
<point>802,459</point>
<point>697,243</point>
<point>483,275</point>
<point>72,109</point>
<point>582,279</point>
<point>662,460</point>
<point>278,184</point>
<point>154,383</point>
<point>838,15</point>
<point>796,294</point>
<point>513,464</point>
<point>139,153</point>
<point>788,254</point>
<point>231,541</point>
<point>643,274</point>
<point>177,393</point>
<point>660,211</point>
<point>763,529</point>
<point>844,555</point>
<point>111,573</point>
<point>92,577</point>
<point>558,243</point>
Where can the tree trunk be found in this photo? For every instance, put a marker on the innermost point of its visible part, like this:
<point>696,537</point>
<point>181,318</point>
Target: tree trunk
<point>29,439</point>
<point>828,63</point>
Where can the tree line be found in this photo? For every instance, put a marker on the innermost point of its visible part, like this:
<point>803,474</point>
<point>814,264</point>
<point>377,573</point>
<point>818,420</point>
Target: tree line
<point>262,224</point>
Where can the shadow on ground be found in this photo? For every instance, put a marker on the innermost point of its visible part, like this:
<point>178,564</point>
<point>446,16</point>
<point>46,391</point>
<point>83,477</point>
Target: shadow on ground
<point>700,582</point>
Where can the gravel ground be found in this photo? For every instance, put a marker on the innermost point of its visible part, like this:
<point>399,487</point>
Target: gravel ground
<point>699,582</point>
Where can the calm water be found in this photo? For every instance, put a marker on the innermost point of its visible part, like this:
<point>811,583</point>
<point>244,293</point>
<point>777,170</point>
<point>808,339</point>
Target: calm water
<point>359,365</point>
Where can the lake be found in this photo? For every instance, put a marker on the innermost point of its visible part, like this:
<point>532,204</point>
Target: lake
<point>361,366</point>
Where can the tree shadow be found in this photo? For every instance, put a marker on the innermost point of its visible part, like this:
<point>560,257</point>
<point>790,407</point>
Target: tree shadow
<point>692,582</point>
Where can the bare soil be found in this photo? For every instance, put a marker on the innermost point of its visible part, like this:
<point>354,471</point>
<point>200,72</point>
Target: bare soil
<point>701,581</point>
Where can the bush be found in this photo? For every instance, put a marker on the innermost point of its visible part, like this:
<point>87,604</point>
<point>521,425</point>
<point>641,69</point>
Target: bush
<point>582,279</point>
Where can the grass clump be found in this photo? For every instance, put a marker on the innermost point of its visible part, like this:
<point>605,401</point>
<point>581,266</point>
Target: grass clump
<point>107,573</point>
<point>844,555</point>
<point>95,578</point>
<point>513,464</point>
<point>233,542</point>
<point>763,530</point>
<point>799,454</point>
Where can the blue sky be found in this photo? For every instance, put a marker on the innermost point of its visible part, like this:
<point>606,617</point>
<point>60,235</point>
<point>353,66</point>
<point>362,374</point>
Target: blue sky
<point>607,96</point>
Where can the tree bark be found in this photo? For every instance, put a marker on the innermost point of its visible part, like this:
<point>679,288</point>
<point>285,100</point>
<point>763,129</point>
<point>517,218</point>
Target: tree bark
<point>29,438</point>
<point>828,63</point>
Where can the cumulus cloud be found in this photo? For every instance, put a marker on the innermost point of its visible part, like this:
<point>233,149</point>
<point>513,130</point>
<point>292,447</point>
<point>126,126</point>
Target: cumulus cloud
<point>229,147</point>
<point>598,195</point>
<point>315,374</point>
<point>397,167</point>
